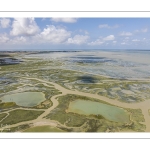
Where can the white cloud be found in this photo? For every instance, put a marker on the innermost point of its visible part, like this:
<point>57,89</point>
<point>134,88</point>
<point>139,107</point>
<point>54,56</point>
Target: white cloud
<point>142,30</point>
<point>103,26</point>
<point>123,43</point>
<point>4,38</point>
<point>52,34</point>
<point>107,26</point>
<point>19,40</point>
<point>43,19</point>
<point>84,31</point>
<point>66,20</point>
<point>96,42</point>
<point>135,40</point>
<point>78,39</point>
<point>109,38</point>
<point>24,26</point>
<point>5,23</point>
<point>114,42</point>
<point>126,33</point>
<point>102,40</point>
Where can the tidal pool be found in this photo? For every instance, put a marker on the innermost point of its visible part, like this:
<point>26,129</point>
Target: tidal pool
<point>109,112</point>
<point>27,99</point>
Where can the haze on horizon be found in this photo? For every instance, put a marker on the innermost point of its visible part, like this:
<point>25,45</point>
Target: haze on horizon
<point>74,33</point>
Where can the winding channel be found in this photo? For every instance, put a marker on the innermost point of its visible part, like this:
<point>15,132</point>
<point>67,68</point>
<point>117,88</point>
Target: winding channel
<point>144,105</point>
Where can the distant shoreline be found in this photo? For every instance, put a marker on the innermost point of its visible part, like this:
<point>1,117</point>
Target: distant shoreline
<point>67,50</point>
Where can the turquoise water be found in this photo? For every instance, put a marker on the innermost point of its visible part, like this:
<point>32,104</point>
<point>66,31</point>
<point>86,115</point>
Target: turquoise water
<point>109,112</point>
<point>27,99</point>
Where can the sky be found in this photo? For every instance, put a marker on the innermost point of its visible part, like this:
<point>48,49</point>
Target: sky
<point>74,33</point>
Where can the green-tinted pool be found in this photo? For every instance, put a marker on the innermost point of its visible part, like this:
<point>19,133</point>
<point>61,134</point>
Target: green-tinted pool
<point>109,112</point>
<point>27,99</point>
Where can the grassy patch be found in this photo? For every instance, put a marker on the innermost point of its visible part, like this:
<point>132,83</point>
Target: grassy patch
<point>16,129</point>
<point>93,123</point>
<point>20,116</point>
<point>2,116</point>
<point>43,129</point>
<point>70,119</point>
<point>59,113</point>
<point>136,118</point>
<point>136,115</point>
<point>7,105</point>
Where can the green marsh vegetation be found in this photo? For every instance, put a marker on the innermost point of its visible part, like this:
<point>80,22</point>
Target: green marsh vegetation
<point>8,105</point>
<point>123,90</point>
<point>16,129</point>
<point>2,116</point>
<point>20,115</point>
<point>70,79</point>
<point>59,113</point>
<point>92,123</point>
<point>28,86</point>
<point>45,128</point>
<point>136,117</point>
<point>109,87</point>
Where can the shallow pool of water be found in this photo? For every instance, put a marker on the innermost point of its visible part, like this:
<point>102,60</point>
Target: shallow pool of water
<point>27,99</point>
<point>109,112</point>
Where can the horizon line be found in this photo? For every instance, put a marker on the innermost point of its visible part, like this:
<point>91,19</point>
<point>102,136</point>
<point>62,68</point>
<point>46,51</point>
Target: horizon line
<point>66,49</point>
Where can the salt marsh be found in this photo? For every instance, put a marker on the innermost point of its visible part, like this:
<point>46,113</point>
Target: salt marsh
<point>119,84</point>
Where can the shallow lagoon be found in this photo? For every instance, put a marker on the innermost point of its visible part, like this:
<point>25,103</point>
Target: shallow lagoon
<point>26,99</point>
<point>109,112</point>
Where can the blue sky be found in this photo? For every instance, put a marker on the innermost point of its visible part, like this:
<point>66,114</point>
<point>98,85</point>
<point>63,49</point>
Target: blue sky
<point>74,33</point>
